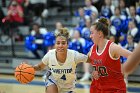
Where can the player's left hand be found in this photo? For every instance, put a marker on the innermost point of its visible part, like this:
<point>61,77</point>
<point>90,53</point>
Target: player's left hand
<point>95,75</point>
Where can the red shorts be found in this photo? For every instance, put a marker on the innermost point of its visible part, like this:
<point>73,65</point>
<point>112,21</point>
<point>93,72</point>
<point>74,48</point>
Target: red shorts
<point>94,89</point>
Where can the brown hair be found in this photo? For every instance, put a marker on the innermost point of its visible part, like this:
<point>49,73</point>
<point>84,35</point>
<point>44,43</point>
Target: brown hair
<point>63,32</point>
<point>102,25</point>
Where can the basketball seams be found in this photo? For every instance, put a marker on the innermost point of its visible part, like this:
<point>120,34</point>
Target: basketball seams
<point>22,66</point>
<point>26,68</point>
<point>21,75</point>
<point>24,73</point>
<point>18,78</point>
<point>25,78</point>
<point>19,68</point>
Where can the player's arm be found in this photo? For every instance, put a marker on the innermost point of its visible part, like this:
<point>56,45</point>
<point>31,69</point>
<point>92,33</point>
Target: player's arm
<point>117,51</point>
<point>79,57</point>
<point>88,60</point>
<point>43,63</point>
<point>133,61</point>
<point>89,54</point>
<point>39,66</point>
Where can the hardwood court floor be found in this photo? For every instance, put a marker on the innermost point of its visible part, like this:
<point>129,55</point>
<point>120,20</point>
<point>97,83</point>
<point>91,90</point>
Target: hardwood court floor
<point>8,84</point>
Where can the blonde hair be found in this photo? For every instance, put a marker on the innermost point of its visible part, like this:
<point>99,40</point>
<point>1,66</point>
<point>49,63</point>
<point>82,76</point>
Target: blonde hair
<point>63,32</point>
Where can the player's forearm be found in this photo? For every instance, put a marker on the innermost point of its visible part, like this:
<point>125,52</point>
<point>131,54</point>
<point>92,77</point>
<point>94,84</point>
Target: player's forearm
<point>39,66</point>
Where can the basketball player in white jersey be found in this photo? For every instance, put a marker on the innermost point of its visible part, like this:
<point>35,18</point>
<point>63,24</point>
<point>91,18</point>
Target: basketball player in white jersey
<point>62,63</point>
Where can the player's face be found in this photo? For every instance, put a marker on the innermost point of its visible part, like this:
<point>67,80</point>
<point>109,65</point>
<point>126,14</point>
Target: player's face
<point>61,44</point>
<point>94,34</point>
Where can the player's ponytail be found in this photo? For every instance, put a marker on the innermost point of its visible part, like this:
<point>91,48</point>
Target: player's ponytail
<point>102,25</point>
<point>104,21</point>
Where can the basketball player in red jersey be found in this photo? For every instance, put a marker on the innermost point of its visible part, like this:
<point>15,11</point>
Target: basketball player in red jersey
<point>105,59</point>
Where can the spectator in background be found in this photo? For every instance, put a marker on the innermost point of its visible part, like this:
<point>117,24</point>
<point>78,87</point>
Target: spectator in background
<point>81,18</point>
<point>15,13</point>
<point>118,21</point>
<point>107,9</point>
<point>42,30</point>
<point>93,17</point>
<point>13,19</point>
<point>115,3</point>
<point>133,31</point>
<point>112,32</point>
<point>138,7</point>
<point>124,10</point>
<point>48,37</point>
<point>77,42</point>
<point>98,4</point>
<point>35,41</point>
<point>112,29</point>
<point>27,12</point>
<point>131,45</point>
<point>89,8</point>
<point>133,16</point>
<point>49,40</point>
<point>58,25</point>
<point>86,29</point>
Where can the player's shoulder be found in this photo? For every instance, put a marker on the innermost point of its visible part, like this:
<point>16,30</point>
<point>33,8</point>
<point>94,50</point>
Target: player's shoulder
<point>73,52</point>
<point>70,50</point>
<point>52,50</point>
<point>49,53</point>
<point>115,47</point>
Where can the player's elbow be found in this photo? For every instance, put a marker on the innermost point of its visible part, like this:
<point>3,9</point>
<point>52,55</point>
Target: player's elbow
<point>127,68</point>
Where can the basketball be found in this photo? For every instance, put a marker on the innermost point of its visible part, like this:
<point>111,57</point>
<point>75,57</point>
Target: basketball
<point>24,73</point>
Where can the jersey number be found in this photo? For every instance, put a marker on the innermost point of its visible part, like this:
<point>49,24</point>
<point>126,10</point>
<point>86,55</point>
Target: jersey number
<point>63,77</point>
<point>101,70</point>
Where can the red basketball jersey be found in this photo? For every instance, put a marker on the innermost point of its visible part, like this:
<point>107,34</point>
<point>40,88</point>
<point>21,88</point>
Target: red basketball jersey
<point>109,69</point>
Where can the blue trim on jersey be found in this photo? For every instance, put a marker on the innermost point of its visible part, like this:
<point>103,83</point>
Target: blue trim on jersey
<point>46,83</point>
<point>51,81</point>
<point>70,92</point>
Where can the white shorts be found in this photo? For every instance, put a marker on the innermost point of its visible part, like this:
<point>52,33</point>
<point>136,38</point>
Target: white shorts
<point>49,80</point>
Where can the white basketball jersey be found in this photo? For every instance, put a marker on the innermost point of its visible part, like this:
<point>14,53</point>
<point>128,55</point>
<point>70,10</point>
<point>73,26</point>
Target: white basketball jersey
<point>64,74</point>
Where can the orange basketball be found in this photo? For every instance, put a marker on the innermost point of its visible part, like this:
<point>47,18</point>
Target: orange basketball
<point>24,73</point>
